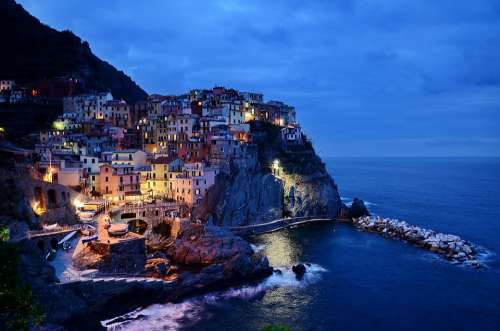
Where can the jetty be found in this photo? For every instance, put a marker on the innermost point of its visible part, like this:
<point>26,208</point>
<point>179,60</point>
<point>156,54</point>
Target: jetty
<point>450,246</point>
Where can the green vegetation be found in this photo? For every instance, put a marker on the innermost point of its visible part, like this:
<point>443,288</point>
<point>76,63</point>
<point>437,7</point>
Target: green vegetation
<point>4,233</point>
<point>18,309</point>
<point>276,328</point>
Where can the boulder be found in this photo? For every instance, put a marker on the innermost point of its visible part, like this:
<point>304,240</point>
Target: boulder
<point>299,270</point>
<point>358,209</point>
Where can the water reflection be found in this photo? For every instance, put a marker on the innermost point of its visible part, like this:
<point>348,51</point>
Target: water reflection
<point>286,247</point>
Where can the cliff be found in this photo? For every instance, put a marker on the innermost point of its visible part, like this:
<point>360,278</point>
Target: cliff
<point>33,51</point>
<point>271,182</point>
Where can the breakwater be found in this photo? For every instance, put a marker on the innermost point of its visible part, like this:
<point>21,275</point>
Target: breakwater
<point>450,246</point>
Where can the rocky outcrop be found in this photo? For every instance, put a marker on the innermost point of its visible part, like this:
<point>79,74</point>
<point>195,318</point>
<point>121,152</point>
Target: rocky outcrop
<point>452,247</point>
<point>270,182</point>
<point>213,257</point>
<point>125,257</point>
<point>355,210</point>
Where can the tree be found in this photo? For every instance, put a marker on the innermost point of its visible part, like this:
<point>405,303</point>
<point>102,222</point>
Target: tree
<point>18,309</point>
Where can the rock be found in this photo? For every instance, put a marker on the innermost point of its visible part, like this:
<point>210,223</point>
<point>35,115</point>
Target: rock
<point>250,193</point>
<point>218,253</point>
<point>453,247</point>
<point>358,209</point>
<point>299,270</point>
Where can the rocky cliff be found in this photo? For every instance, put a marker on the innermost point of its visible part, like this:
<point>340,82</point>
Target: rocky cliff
<point>272,181</point>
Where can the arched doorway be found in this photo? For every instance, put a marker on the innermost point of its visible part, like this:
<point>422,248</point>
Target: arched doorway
<point>137,226</point>
<point>51,194</point>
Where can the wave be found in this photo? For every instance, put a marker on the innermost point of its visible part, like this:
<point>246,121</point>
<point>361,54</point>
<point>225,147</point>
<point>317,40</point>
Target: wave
<point>172,316</point>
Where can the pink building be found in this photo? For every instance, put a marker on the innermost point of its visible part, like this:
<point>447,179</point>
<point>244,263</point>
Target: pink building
<point>119,182</point>
<point>191,186</point>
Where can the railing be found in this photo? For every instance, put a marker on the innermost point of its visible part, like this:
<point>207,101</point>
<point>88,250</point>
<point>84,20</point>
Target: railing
<point>255,229</point>
<point>57,229</point>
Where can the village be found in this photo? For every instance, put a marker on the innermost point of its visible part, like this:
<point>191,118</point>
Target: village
<point>136,171</point>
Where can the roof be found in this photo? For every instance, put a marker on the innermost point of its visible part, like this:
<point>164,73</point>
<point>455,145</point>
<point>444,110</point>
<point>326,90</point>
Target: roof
<point>126,151</point>
<point>164,159</point>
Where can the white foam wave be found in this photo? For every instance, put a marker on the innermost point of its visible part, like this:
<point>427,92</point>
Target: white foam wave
<point>172,316</point>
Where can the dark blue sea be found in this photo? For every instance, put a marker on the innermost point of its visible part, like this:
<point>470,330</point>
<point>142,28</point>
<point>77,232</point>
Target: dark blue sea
<point>359,280</point>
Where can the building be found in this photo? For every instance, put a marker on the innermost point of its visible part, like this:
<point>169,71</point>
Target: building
<point>191,186</point>
<point>132,157</point>
<point>73,177</point>
<point>7,85</point>
<point>119,182</point>
<point>291,135</point>
<point>164,170</point>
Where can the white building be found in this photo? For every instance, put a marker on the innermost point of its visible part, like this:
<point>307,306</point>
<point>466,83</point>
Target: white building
<point>7,85</point>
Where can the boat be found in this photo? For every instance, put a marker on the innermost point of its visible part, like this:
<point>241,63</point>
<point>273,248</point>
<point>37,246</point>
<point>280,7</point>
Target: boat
<point>66,246</point>
<point>89,239</point>
<point>67,237</point>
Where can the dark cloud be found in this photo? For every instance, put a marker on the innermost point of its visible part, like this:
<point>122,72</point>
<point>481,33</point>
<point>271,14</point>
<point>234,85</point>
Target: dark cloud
<point>373,77</point>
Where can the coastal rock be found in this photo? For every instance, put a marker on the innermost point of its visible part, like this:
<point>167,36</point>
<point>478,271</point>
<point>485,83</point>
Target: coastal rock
<point>452,246</point>
<point>270,182</point>
<point>299,270</point>
<point>358,209</point>
<point>215,258</point>
<point>124,257</point>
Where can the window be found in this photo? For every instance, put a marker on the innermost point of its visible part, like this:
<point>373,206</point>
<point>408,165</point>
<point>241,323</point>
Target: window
<point>107,179</point>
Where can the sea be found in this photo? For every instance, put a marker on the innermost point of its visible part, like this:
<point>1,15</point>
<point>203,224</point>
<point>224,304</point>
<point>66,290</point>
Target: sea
<point>361,281</point>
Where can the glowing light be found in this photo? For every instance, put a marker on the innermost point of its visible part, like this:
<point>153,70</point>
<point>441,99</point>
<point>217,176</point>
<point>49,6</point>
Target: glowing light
<point>58,125</point>
<point>276,163</point>
<point>77,203</point>
<point>48,175</point>
<point>35,206</point>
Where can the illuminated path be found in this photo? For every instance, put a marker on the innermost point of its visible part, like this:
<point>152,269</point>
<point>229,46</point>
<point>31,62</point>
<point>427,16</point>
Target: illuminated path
<point>276,225</point>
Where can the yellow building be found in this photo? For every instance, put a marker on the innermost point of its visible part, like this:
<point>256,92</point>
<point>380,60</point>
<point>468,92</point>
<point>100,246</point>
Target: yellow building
<point>163,172</point>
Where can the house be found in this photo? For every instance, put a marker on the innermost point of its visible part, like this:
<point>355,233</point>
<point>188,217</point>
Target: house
<point>191,186</point>
<point>164,170</point>
<point>119,182</point>
<point>90,163</point>
<point>73,177</point>
<point>291,135</point>
<point>132,157</point>
<point>7,85</point>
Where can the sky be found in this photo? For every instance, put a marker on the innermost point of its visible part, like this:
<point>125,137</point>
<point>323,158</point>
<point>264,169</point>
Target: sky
<point>367,77</point>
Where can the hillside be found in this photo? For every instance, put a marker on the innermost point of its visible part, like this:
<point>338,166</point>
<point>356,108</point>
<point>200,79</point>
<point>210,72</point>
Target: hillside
<point>32,51</point>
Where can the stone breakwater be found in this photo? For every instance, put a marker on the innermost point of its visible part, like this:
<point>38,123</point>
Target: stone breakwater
<point>450,246</point>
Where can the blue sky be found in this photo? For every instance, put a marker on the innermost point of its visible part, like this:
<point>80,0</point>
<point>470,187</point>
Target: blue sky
<point>368,77</point>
